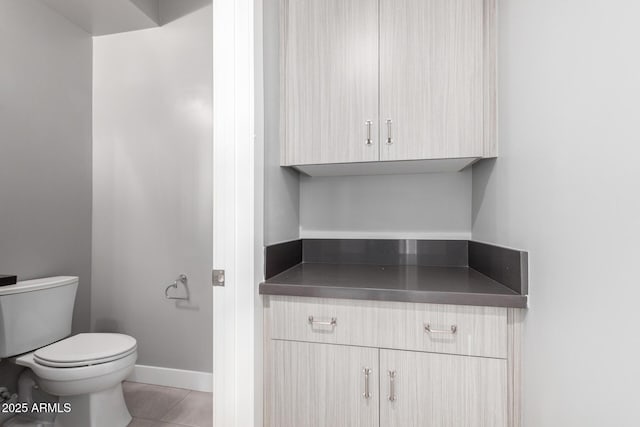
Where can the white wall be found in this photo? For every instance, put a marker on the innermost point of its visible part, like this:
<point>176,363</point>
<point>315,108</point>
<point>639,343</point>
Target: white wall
<point>45,148</point>
<point>427,206</point>
<point>152,186</point>
<point>281,185</point>
<point>565,187</point>
<point>413,206</point>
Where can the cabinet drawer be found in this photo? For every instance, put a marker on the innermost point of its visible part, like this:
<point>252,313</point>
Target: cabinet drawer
<point>453,329</point>
<point>438,328</point>
<point>310,319</point>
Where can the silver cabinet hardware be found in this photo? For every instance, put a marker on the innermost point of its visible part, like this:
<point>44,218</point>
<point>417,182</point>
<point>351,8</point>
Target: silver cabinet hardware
<point>181,279</point>
<point>366,372</point>
<point>392,386</point>
<point>333,322</point>
<point>218,278</point>
<point>389,139</point>
<point>368,125</point>
<point>429,329</point>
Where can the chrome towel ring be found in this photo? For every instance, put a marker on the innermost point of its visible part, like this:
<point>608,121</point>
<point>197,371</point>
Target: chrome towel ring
<point>181,279</point>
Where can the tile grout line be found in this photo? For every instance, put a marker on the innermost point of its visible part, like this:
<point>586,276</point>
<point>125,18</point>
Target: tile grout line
<point>182,400</point>
<point>161,418</point>
<point>160,421</point>
<point>173,406</point>
<point>146,385</point>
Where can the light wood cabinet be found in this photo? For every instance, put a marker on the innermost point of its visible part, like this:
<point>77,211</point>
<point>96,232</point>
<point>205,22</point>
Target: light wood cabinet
<point>431,64</point>
<point>319,385</point>
<point>391,85</point>
<point>316,350</point>
<point>480,331</point>
<point>330,81</point>
<point>428,389</point>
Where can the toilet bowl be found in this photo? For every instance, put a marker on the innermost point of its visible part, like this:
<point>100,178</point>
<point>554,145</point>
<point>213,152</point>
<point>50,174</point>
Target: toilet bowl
<point>86,371</point>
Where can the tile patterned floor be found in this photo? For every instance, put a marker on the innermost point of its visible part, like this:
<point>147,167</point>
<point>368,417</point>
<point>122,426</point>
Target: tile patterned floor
<point>156,406</point>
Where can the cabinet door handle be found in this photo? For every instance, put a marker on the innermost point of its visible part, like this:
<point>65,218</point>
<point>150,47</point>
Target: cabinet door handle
<point>368,124</point>
<point>333,322</point>
<point>366,372</point>
<point>389,139</point>
<point>392,386</point>
<point>429,329</point>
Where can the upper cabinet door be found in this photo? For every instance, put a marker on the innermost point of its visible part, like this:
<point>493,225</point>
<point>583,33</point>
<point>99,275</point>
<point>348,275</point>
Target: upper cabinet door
<point>431,79</point>
<point>329,81</point>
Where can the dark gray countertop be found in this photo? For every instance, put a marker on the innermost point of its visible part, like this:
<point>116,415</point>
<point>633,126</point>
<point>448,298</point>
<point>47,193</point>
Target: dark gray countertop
<point>409,283</point>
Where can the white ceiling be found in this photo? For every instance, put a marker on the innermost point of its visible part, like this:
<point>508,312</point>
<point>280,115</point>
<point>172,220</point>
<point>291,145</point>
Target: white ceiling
<point>100,17</point>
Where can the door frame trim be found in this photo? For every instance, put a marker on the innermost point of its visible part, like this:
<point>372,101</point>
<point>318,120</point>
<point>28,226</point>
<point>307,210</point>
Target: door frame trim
<point>237,218</point>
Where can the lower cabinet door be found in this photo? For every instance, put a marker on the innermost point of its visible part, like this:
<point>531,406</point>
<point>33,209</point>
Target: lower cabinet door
<point>323,385</point>
<point>442,390</point>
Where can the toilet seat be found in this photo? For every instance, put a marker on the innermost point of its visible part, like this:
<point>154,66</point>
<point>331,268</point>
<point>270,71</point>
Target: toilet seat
<point>85,350</point>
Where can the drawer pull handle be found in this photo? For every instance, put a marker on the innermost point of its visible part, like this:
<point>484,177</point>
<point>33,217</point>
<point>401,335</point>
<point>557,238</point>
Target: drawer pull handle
<point>366,372</point>
<point>429,329</point>
<point>389,139</point>
<point>368,124</point>
<point>392,386</point>
<point>333,322</point>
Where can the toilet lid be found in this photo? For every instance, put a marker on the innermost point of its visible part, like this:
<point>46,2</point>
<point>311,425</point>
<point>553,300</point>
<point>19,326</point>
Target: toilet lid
<point>86,349</point>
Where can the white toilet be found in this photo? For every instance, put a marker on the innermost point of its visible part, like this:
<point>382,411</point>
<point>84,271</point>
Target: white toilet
<point>85,371</point>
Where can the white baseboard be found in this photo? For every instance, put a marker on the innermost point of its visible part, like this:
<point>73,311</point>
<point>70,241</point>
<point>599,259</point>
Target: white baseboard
<point>179,378</point>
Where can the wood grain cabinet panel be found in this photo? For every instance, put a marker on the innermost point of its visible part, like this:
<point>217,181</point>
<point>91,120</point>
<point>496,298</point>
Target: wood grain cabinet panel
<point>314,377</point>
<point>356,322</point>
<point>442,390</point>
<point>330,81</point>
<point>479,331</point>
<point>321,385</point>
<point>431,78</point>
<point>453,329</point>
<point>421,72</point>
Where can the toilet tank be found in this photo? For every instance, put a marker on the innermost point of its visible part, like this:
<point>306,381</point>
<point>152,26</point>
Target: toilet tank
<point>35,313</point>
